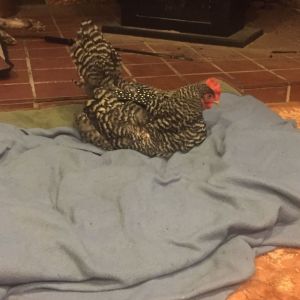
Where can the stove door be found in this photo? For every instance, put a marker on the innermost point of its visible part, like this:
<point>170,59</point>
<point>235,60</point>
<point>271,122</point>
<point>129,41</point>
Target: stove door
<point>215,17</point>
<point>188,10</point>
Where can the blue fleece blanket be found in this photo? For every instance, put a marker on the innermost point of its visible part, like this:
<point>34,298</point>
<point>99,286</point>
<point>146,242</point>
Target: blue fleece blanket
<point>80,223</point>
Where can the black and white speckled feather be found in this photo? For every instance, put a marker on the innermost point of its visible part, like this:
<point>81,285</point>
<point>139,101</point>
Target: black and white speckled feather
<point>129,115</point>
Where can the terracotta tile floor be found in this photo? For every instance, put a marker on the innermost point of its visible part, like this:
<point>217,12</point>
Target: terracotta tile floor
<point>44,72</point>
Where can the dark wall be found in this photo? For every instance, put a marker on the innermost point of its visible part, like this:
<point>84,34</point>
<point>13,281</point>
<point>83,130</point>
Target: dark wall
<point>32,2</point>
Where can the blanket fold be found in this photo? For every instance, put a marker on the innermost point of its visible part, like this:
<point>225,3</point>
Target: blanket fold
<point>81,223</point>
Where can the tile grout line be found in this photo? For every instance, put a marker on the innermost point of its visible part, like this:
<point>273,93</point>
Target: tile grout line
<point>50,57</point>
<point>29,71</point>
<point>56,25</point>
<point>263,70</point>
<point>149,77</point>
<point>59,31</point>
<point>226,74</point>
<point>208,61</point>
<point>174,70</point>
<point>62,68</point>
<point>53,81</point>
<point>288,91</point>
<point>175,75</point>
<point>263,67</point>
<point>168,64</point>
<point>165,62</point>
<point>61,35</point>
<point>126,70</point>
<point>146,64</point>
<point>14,83</point>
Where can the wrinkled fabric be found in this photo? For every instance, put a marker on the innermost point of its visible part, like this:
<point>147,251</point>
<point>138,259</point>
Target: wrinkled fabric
<point>81,223</point>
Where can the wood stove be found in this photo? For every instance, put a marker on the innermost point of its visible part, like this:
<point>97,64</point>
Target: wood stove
<point>219,22</point>
<point>213,17</point>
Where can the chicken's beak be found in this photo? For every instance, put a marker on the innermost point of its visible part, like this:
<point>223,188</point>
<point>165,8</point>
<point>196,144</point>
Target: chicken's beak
<point>216,102</point>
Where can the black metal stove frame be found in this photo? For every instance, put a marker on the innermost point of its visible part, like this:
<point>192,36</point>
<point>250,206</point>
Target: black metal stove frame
<point>214,17</point>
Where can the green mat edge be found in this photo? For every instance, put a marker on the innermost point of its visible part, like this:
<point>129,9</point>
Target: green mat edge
<point>59,116</point>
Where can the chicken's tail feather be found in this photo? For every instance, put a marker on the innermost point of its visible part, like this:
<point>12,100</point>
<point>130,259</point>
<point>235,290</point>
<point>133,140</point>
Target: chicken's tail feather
<point>96,60</point>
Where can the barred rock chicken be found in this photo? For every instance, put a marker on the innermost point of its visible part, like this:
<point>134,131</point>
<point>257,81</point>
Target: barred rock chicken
<point>129,115</point>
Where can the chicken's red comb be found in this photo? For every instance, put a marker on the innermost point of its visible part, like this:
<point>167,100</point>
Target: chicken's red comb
<point>215,85</point>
